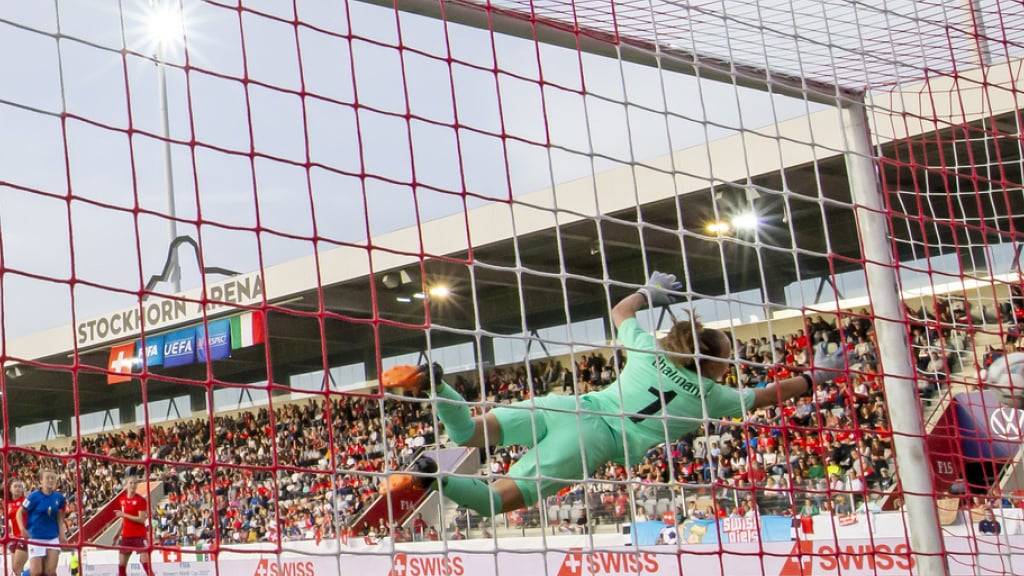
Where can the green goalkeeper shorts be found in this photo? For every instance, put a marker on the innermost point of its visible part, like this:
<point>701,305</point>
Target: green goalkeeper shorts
<point>563,443</point>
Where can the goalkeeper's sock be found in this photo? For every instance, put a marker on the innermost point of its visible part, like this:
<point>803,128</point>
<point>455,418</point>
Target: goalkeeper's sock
<point>473,493</point>
<point>454,415</point>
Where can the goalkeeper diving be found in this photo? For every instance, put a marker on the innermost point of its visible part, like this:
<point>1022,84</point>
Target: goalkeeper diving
<point>661,394</point>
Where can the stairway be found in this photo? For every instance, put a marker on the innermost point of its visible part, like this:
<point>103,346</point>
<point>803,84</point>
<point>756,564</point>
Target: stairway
<point>103,527</point>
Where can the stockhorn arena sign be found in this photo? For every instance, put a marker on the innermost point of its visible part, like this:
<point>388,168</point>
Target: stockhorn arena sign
<point>157,313</point>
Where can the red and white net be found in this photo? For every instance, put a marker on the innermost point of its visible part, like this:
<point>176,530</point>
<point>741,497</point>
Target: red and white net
<point>221,221</point>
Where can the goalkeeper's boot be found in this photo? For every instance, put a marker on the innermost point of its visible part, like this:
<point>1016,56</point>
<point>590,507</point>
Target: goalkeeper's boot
<point>411,380</point>
<point>423,471</point>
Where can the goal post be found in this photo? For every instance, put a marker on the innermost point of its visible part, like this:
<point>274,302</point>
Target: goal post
<point>906,416</point>
<point>575,36</point>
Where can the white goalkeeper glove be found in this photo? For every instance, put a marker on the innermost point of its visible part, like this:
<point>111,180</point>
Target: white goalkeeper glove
<point>657,287</point>
<point>827,366</point>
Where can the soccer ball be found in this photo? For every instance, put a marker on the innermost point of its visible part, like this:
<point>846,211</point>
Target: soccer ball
<point>669,535</point>
<point>1006,375</point>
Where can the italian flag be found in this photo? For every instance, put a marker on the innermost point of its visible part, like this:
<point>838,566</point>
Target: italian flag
<point>248,330</point>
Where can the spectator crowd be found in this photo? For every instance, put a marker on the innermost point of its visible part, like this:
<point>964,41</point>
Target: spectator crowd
<point>306,469</point>
<point>273,475</point>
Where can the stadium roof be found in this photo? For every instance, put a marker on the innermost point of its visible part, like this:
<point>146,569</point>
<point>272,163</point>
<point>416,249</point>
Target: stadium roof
<point>519,251</point>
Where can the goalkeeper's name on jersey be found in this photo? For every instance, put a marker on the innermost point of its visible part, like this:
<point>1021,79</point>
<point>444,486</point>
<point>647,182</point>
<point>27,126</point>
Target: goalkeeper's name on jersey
<point>671,372</point>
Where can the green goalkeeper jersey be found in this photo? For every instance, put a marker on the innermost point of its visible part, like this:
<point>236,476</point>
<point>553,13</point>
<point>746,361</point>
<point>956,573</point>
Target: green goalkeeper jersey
<point>655,394</point>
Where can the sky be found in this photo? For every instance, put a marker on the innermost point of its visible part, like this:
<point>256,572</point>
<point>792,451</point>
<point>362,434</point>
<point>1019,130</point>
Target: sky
<point>629,120</point>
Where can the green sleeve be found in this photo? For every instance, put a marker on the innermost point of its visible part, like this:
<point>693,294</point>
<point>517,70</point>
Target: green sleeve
<point>631,335</point>
<point>729,402</point>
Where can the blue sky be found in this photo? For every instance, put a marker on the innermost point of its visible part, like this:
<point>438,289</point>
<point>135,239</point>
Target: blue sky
<point>35,228</point>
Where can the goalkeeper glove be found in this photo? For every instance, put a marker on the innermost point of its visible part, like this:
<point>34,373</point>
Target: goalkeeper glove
<point>827,366</point>
<point>657,287</point>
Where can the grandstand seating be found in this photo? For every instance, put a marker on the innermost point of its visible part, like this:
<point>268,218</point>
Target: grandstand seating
<point>777,460</point>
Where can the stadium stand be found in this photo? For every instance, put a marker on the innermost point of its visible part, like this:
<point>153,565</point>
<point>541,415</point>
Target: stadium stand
<point>830,452</point>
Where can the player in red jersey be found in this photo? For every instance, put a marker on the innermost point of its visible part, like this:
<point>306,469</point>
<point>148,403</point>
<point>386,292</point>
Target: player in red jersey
<point>18,549</point>
<point>133,511</point>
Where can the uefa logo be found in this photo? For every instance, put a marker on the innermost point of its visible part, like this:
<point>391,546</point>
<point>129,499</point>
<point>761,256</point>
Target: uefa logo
<point>1007,423</point>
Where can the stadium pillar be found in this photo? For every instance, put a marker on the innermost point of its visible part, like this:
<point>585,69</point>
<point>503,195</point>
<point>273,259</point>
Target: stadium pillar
<point>370,361</point>
<point>974,257</point>
<point>197,398</point>
<point>64,427</point>
<point>773,294</point>
<point>485,351</point>
<point>900,390</point>
<point>126,409</point>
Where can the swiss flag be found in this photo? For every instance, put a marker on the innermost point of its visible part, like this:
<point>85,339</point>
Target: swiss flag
<point>120,363</point>
<point>572,564</point>
<point>398,566</point>
<point>173,555</point>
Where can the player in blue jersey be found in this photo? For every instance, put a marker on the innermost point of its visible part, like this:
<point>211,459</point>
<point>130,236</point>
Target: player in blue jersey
<point>41,518</point>
<point>667,389</point>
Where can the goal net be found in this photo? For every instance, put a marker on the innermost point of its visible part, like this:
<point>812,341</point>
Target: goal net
<point>223,224</point>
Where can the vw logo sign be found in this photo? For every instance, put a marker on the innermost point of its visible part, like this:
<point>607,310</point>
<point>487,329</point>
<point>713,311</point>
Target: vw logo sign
<point>1007,423</point>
